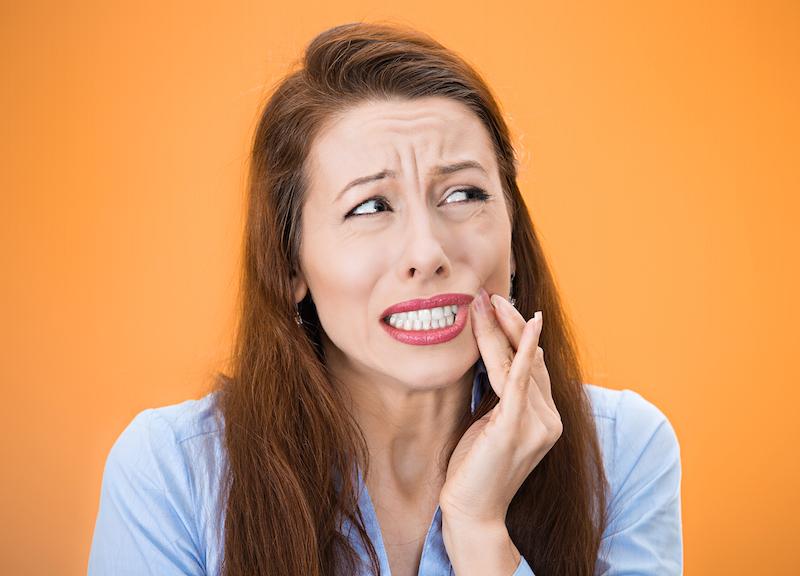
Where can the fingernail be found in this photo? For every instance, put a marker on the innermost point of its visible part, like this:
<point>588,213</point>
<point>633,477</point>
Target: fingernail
<point>481,301</point>
<point>499,302</point>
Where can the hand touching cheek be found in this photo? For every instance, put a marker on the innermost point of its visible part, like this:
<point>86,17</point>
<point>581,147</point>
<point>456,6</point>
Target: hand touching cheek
<point>499,451</point>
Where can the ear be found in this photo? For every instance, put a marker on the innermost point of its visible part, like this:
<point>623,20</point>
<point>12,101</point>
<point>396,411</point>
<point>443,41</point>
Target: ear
<point>299,286</point>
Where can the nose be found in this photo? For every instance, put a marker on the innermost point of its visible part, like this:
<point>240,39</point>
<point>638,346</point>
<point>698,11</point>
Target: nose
<point>424,257</point>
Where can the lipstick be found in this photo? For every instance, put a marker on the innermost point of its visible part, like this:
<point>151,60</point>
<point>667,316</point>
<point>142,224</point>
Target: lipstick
<point>433,335</point>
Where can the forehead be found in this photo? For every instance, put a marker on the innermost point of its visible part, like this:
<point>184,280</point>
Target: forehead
<point>398,134</point>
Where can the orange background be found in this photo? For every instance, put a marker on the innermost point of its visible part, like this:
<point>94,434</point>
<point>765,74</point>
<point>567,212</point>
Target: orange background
<point>660,147</point>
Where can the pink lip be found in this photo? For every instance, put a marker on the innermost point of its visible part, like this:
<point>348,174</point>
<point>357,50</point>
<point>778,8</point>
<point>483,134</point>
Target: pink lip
<point>433,302</point>
<point>428,337</point>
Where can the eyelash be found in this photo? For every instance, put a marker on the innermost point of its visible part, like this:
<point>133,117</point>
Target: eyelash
<point>477,194</point>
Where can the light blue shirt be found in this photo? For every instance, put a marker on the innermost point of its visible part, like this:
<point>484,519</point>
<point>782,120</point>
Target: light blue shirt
<point>158,511</point>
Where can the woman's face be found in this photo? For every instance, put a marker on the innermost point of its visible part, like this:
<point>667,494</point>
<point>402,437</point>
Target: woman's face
<point>397,210</point>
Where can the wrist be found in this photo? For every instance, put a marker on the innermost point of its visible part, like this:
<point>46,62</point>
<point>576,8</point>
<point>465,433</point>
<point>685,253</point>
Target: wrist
<point>479,547</point>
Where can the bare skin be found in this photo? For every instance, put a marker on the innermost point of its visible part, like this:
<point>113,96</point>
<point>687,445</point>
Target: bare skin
<point>426,236</point>
<point>406,474</point>
<point>414,235</point>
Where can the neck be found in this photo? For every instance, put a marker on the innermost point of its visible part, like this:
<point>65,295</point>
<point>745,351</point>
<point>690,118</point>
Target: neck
<point>406,428</point>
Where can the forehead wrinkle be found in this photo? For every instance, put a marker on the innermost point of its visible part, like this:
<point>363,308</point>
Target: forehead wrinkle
<point>409,112</point>
<point>432,143</point>
<point>379,133</point>
<point>436,118</point>
<point>407,158</point>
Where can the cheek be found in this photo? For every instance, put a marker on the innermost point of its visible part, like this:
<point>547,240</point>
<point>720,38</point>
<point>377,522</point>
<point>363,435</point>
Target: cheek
<point>489,245</point>
<point>341,282</point>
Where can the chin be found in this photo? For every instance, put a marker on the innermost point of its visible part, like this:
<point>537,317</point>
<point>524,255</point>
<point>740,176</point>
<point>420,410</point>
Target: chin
<point>437,373</point>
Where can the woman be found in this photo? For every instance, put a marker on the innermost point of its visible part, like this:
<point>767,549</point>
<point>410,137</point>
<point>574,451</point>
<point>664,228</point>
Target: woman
<point>383,414</point>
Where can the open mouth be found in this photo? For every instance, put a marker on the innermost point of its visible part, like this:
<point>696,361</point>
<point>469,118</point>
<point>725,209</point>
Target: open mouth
<point>419,326</point>
<point>423,319</point>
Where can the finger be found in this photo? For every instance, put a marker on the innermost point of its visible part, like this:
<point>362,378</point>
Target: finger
<point>509,318</point>
<point>518,384</point>
<point>513,323</point>
<point>525,378</point>
<point>541,400</point>
<point>542,378</point>
<point>494,345</point>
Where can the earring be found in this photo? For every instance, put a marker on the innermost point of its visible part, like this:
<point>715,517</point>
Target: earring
<point>297,318</point>
<point>511,298</point>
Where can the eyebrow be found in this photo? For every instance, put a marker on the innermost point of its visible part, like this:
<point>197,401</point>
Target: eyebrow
<point>436,171</point>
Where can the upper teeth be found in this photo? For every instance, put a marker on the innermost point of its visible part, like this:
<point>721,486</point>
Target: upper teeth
<point>425,319</point>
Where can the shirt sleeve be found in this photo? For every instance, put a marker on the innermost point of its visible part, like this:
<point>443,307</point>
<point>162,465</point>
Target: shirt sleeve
<point>643,535</point>
<point>145,522</point>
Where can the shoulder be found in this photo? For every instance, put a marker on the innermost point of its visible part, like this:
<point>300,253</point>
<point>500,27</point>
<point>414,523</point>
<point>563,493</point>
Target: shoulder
<point>625,408</point>
<point>162,479</point>
<point>172,425</point>
<point>179,422</point>
<point>642,461</point>
<point>169,442</point>
<point>175,448</point>
<point>641,452</point>
<point>632,431</point>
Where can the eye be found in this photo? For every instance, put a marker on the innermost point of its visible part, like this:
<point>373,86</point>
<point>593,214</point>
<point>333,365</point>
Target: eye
<point>471,193</point>
<point>376,201</point>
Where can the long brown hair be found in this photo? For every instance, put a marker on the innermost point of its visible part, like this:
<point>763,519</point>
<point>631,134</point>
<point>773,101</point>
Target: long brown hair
<point>288,436</point>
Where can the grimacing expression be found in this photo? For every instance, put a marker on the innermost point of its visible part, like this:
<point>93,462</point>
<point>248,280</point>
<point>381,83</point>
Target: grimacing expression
<point>411,231</point>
